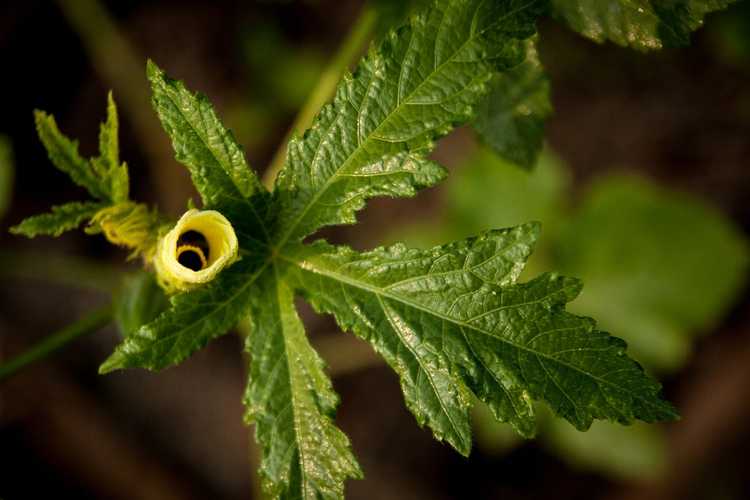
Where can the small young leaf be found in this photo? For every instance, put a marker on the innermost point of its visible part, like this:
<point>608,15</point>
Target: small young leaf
<point>413,88</point>
<point>64,155</point>
<point>638,24</point>
<point>193,320</point>
<point>109,149</point>
<point>104,177</point>
<point>108,165</point>
<point>512,116</point>
<point>62,218</point>
<point>452,314</point>
<point>291,401</point>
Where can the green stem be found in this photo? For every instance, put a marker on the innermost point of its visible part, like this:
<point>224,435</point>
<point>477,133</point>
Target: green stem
<point>350,48</point>
<point>83,326</point>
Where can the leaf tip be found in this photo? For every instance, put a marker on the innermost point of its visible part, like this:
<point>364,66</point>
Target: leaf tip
<point>667,412</point>
<point>42,118</point>
<point>114,362</point>
<point>464,447</point>
<point>152,70</point>
<point>532,230</point>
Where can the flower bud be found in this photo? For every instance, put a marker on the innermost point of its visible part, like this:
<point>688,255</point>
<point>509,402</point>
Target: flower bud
<point>130,225</point>
<point>193,252</point>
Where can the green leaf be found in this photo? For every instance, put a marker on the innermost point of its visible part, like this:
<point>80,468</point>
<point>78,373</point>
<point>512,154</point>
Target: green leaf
<point>64,155</point>
<point>451,315</point>
<point>6,174</point>
<point>62,218</point>
<point>291,401</point>
<point>638,24</point>
<point>659,266</point>
<point>211,153</point>
<point>413,88</point>
<point>215,160</point>
<point>511,118</point>
<point>109,148</point>
<point>139,301</point>
<point>108,165</point>
<point>452,321</point>
<point>193,320</point>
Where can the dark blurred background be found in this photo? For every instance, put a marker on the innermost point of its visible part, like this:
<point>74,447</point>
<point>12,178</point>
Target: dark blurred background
<point>642,189</point>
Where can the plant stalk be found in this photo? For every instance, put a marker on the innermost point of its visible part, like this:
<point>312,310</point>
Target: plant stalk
<point>350,48</point>
<point>85,325</point>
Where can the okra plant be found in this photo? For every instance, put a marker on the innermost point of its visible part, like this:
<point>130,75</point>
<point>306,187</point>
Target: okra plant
<point>454,322</point>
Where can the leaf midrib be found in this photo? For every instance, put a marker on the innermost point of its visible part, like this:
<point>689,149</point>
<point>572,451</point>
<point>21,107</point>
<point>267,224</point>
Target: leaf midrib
<point>308,266</point>
<point>201,324</point>
<point>456,429</point>
<point>295,417</point>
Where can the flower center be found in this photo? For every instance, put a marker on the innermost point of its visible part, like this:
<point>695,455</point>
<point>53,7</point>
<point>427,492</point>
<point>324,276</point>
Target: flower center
<point>192,250</point>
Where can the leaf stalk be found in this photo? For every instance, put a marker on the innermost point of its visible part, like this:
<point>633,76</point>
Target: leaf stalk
<point>56,341</point>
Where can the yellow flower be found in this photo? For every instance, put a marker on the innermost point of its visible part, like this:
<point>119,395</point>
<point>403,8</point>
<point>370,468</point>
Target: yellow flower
<point>193,252</point>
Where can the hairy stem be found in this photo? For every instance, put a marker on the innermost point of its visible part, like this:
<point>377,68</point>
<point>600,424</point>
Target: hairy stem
<point>88,324</point>
<point>349,49</point>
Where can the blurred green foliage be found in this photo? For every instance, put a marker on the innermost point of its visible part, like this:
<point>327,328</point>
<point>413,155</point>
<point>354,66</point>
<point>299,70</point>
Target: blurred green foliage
<point>512,117</point>
<point>729,36</point>
<point>658,266</point>
<point>282,74</point>
<point>6,174</point>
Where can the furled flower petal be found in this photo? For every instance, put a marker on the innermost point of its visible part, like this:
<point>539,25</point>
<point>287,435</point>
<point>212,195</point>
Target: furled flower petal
<point>193,252</point>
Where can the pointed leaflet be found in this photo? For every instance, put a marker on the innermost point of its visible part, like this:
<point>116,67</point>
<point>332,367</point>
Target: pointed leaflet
<point>511,118</point>
<point>216,162</point>
<point>452,311</point>
<point>64,155</point>
<point>109,146</point>
<point>62,218</point>
<point>291,401</point>
<point>422,80</point>
<point>210,151</point>
<point>103,177</point>
<point>108,165</point>
<point>639,24</point>
<point>194,319</point>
